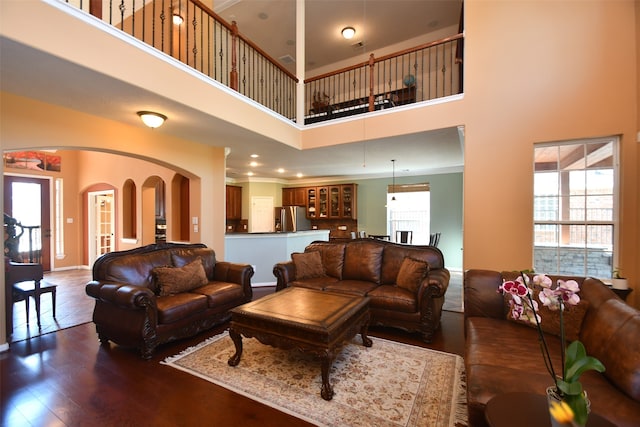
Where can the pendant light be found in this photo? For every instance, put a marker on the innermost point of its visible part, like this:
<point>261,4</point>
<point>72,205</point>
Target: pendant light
<point>393,187</point>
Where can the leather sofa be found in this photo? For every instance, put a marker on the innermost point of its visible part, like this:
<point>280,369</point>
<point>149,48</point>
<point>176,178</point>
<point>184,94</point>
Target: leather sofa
<point>136,305</point>
<point>503,356</point>
<point>376,268</point>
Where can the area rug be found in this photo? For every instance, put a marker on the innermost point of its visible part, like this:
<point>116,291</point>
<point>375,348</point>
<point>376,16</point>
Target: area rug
<point>388,384</point>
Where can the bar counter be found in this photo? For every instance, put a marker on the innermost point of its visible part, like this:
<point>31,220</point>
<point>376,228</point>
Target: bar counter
<point>264,250</point>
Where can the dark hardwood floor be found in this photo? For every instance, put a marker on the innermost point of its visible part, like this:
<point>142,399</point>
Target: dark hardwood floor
<point>67,378</point>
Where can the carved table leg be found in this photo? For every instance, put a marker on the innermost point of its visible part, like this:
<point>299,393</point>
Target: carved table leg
<point>237,340</point>
<point>327,390</point>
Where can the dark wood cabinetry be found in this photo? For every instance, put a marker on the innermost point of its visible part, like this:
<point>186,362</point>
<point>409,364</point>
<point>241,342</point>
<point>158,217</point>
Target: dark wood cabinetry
<point>234,202</point>
<point>294,196</point>
<point>326,202</point>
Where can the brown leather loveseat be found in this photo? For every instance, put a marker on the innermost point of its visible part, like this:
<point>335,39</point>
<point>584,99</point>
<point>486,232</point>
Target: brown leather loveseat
<point>406,284</point>
<point>503,356</point>
<point>162,292</point>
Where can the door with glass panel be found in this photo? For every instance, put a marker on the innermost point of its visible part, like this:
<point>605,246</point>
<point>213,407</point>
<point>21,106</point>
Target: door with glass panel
<point>101,224</point>
<point>26,199</point>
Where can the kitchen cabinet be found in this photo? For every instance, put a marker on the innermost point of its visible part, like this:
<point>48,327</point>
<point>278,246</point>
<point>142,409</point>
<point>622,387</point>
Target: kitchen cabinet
<point>234,202</point>
<point>294,196</point>
<point>348,194</point>
<point>331,202</point>
<point>312,202</point>
<point>323,202</point>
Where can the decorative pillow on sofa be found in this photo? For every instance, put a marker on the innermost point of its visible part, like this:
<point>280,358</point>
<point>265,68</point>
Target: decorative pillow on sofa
<point>308,265</point>
<point>363,261</point>
<point>411,273</point>
<point>550,324</point>
<point>174,280</point>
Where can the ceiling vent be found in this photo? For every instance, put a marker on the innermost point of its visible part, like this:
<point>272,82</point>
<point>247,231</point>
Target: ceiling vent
<point>358,45</point>
<point>287,59</point>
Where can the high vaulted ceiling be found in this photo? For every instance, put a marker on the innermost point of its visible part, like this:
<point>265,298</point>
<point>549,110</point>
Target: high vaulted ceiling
<point>378,23</point>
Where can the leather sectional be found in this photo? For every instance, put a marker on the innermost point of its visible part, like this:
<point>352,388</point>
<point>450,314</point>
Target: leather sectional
<point>504,356</point>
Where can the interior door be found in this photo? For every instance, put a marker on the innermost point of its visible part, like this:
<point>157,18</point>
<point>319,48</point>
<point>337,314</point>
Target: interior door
<point>27,199</point>
<point>101,224</point>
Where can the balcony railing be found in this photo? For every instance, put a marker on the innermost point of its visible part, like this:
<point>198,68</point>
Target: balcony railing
<point>422,73</point>
<point>206,42</point>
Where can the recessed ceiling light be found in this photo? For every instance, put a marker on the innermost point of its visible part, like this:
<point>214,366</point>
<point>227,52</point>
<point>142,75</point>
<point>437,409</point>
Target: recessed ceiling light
<point>280,170</point>
<point>253,164</point>
<point>299,175</point>
<point>250,173</point>
<point>255,156</point>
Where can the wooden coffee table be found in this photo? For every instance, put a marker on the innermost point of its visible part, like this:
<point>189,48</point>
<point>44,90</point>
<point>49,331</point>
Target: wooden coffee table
<point>311,321</point>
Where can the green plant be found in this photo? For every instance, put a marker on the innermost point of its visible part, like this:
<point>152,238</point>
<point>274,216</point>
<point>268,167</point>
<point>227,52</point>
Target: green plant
<point>617,273</point>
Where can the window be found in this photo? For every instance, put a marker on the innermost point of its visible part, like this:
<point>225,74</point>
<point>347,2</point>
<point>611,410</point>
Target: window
<point>575,210</point>
<point>409,211</point>
<point>59,219</point>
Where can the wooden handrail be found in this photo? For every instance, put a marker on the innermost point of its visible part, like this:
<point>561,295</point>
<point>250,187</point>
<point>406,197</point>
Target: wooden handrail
<point>385,57</point>
<point>420,47</point>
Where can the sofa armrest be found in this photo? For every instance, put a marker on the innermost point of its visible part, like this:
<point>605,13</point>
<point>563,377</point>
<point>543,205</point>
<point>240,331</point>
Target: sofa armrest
<point>285,272</point>
<point>481,296</point>
<point>432,287</point>
<point>232,272</point>
<point>121,295</point>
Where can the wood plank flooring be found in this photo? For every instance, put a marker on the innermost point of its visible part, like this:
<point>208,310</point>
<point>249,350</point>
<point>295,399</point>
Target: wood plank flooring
<point>66,378</point>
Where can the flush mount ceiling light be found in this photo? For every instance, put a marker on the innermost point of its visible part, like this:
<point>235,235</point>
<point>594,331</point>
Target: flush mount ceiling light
<point>177,19</point>
<point>348,32</point>
<point>151,119</point>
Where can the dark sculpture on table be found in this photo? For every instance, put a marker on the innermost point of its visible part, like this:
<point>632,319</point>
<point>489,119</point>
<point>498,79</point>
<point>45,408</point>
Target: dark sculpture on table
<point>12,241</point>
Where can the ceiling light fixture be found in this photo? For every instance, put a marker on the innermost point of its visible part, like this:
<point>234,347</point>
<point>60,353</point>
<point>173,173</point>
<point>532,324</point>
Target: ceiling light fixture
<point>348,32</point>
<point>151,119</point>
<point>177,19</point>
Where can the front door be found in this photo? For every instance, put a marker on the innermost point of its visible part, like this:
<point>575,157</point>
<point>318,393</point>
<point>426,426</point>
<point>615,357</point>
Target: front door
<point>26,200</point>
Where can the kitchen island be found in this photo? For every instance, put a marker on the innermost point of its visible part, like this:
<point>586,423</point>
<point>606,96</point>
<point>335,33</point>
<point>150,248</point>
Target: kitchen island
<point>264,250</point>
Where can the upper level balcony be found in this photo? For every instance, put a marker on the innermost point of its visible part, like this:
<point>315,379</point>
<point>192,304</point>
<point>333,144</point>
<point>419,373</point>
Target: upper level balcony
<point>192,33</point>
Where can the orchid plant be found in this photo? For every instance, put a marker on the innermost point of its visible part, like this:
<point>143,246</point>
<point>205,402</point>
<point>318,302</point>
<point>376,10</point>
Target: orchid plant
<point>575,361</point>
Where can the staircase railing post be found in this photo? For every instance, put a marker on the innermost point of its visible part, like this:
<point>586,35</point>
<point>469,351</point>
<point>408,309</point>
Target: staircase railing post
<point>371,80</point>
<point>233,77</point>
<point>95,8</point>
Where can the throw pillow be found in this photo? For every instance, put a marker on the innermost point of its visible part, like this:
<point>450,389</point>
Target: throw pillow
<point>174,280</point>
<point>573,316</point>
<point>412,272</point>
<point>308,265</point>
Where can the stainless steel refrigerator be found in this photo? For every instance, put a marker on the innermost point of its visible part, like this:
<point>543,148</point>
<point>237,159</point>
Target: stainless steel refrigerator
<point>291,219</point>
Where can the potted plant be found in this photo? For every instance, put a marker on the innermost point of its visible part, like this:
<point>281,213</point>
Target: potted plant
<point>568,401</point>
<point>617,281</point>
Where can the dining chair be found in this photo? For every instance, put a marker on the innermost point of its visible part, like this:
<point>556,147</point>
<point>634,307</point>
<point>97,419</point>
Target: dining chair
<point>404,236</point>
